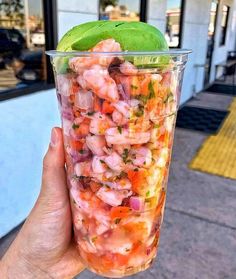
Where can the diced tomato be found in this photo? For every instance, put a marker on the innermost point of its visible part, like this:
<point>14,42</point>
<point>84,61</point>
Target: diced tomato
<point>145,85</point>
<point>75,144</point>
<point>138,180</point>
<point>94,186</point>
<point>137,231</point>
<point>83,128</point>
<point>74,88</point>
<point>97,104</point>
<point>120,212</point>
<point>107,107</point>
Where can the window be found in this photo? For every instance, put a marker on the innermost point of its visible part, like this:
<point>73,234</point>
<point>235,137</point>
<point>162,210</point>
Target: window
<point>174,22</point>
<point>128,10</point>
<point>23,66</point>
<point>224,24</point>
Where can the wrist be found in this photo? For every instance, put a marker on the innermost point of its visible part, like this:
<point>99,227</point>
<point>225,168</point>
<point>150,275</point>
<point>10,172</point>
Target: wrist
<point>14,266</point>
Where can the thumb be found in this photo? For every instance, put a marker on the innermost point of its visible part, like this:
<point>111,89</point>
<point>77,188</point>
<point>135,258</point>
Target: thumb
<point>54,187</point>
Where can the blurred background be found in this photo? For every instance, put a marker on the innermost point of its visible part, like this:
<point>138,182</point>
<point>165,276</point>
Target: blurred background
<point>199,227</point>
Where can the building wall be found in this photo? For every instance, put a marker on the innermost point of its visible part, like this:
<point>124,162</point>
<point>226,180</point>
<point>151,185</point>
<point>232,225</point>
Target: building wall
<point>74,12</point>
<point>156,14</point>
<point>220,52</point>
<point>25,125</point>
<point>194,37</point>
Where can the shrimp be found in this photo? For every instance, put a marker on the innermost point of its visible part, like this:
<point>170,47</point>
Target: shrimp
<point>99,81</point>
<point>100,123</point>
<point>96,144</point>
<point>128,68</point>
<point>112,197</point>
<point>80,128</point>
<point>125,136</point>
<point>79,64</point>
<point>114,162</point>
<point>97,164</point>
<point>122,184</point>
<point>108,45</point>
<point>123,108</point>
<point>91,206</point>
<point>142,156</point>
<point>83,168</point>
<point>121,148</point>
<point>118,118</point>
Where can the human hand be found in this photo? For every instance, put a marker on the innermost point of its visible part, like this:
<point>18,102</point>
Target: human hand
<point>44,247</point>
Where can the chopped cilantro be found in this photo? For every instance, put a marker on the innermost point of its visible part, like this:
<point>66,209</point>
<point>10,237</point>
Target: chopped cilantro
<point>117,220</point>
<point>119,129</point>
<point>147,193</point>
<point>122,175</point>
<point>90,113</point>
<point>142,98</point>
<point>75,126</point>
<point>156,126</point>
<point>81,151</point>
<point>134,86</point>
<point>125,155</point>
<point>140,111</point>
<point>151,90</point>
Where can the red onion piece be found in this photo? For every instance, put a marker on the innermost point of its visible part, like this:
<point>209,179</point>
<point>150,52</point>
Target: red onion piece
<point>78,157</point>
<point>84,100</point>
<point>67,113</point>
<point>136,203</point>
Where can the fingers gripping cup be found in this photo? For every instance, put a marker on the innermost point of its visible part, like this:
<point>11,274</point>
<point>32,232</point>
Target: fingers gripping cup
<point>118,111</point>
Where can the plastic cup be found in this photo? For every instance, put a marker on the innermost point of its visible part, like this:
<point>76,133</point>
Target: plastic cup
<point>118,113</point>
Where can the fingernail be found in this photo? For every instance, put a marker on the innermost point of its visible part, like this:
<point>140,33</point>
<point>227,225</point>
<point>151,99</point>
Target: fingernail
<point>54,138</point>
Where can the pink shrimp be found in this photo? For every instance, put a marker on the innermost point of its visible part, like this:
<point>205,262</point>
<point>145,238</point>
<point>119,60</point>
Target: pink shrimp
<point>125,136</point>
<point>96,144</point>
<point>121,148</point>
<point>100,123</point>
<point>118,118</point>
<point>128,68</point>
<point>99,81</point>
<point>112,197</point>
<point>83,168</point>
<point>114,162</point>
<point>122,184</point>
<point>142,156</point>
<point>97,164</point>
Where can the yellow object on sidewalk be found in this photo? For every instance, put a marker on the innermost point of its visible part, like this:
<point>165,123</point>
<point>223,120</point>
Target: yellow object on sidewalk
<point>218,153</point>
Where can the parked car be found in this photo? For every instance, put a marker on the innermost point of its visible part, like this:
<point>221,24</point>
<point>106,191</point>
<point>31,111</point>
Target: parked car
<point>38,39</point>
<point>12,43</point>
<point>29,66</point>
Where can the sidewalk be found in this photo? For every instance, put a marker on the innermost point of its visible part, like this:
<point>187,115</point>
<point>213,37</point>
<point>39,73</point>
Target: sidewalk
<point>198,238</point>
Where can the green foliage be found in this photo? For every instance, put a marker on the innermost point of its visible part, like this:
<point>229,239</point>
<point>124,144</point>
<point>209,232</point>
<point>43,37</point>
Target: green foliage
<point>11,6</point>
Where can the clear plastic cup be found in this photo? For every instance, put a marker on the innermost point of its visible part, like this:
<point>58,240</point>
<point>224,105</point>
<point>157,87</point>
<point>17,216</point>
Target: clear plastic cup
<point>118,113</point>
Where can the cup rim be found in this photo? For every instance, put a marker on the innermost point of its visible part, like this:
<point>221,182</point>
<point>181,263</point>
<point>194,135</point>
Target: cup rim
<point>172,52</point>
